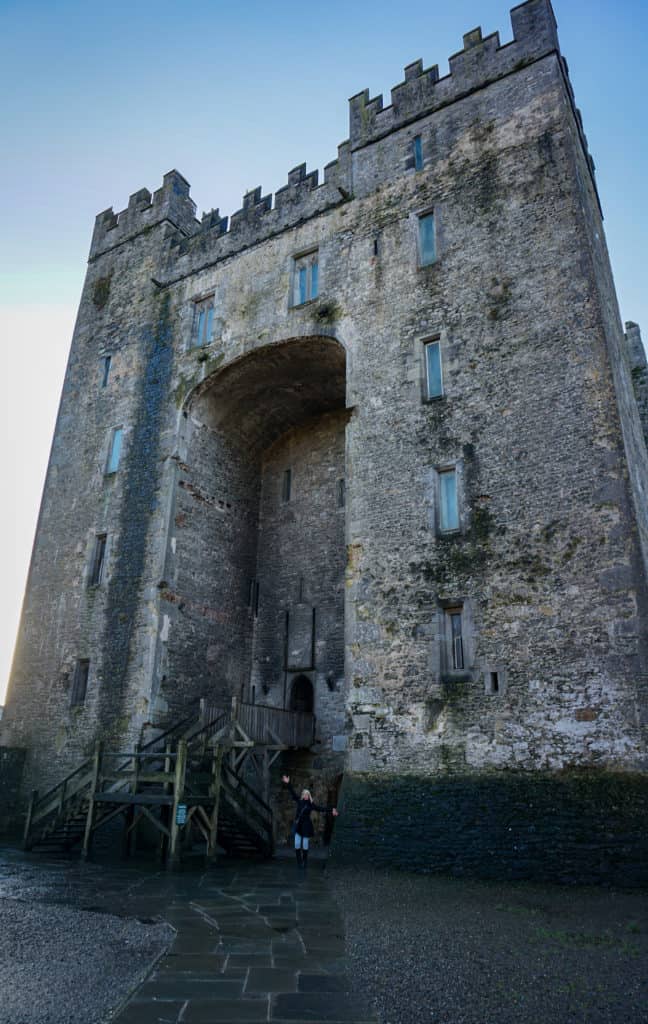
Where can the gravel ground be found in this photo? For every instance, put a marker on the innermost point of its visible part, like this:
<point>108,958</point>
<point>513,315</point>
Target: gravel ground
<point>65,966</point>
<point>450,951</point>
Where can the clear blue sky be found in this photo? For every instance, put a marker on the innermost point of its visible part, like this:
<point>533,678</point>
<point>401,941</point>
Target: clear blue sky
<point>101,99</point>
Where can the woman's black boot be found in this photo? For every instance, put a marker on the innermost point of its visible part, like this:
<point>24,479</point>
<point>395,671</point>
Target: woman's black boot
<point>298,854</point>
<point>304,858</point>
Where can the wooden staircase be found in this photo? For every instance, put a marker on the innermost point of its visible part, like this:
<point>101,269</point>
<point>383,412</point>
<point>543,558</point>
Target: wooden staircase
<point>185,781</point>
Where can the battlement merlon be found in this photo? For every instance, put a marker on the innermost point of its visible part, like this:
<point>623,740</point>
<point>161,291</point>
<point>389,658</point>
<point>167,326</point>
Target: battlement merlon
<point>482,60</point>
<point>171,203</point>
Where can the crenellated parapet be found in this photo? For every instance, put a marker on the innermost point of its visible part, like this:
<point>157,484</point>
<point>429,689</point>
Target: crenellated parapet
<point>262,216</point>
<point>171,203</point>
<point>481,61</point>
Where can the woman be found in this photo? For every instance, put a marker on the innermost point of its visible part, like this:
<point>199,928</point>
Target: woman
<point>303,826</point>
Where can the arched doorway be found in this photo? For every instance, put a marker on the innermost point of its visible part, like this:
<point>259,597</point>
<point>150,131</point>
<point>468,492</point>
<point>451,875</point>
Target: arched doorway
<point>301,694</point>
<point>259,549</point>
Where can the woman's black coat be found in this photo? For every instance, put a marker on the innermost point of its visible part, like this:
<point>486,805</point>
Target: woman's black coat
<point>303,823</point>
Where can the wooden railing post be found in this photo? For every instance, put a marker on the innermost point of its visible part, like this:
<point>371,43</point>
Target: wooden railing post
<point>130,827</point>
<point>164,809</point>
<point>96,774</point>
<point>28,821</point>
<point>178,794</point>
<point>215,789</point>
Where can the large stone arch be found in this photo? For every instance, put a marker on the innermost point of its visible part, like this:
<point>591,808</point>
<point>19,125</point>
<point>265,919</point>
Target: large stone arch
<point>258,586</point>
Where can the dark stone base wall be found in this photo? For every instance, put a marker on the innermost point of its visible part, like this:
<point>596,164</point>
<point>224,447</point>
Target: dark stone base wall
<point>574,828</point>
<point>12,761</point>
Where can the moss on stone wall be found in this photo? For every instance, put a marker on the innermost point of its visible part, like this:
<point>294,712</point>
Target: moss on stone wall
<point>572,827</point>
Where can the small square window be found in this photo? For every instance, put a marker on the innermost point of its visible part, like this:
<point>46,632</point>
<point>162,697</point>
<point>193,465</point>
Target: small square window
<point>105,370</point>
<point>305,278</point>
<point>114,453</point>
<point>433,369</point>
<point>417,149</point>
<point>98,559</point>
<point>427,239</point>
<point>448,501</point>
<point>202,332</point>
<point>79,683</point>
<point>286,485</point>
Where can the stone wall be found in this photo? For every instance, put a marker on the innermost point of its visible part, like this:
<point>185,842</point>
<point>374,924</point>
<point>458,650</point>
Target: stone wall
<point>573,828</point>
<point>12,761</point>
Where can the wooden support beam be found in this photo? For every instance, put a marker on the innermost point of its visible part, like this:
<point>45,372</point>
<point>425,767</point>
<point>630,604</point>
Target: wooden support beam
<point>214,792</point>
<point>178,794</point>
<point>96,776</point>
<point>131,844</point>
<point>164,811</point>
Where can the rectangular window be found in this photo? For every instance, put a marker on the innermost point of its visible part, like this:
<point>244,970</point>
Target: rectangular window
<point>427,242</point>
<point>448,504</point>
<point>203,323</point>
<point>455,638</point>
<point>105,370</point>
<point>418,153</point>
<point>306,278</point>
<point>79,683</point>
<point>98,557</point>
<point>341,495</point>
<point>286,485</point>
<point>433,375</point>
<point>115,450</point>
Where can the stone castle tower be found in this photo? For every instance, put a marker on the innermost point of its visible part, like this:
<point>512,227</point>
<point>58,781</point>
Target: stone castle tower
<point>370,448</point>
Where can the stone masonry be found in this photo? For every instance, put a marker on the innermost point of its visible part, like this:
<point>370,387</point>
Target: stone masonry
<point>274,527</point>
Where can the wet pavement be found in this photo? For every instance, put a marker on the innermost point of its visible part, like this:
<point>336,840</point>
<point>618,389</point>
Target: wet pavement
<point>253,941</point>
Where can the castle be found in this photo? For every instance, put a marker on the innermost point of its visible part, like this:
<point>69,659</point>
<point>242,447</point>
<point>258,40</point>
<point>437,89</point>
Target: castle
<point>374,449</point>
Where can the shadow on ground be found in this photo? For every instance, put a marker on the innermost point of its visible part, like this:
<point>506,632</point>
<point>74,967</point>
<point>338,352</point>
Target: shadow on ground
<point>456,951</point>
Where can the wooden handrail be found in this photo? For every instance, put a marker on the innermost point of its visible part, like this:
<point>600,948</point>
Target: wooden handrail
<point>241,783</point>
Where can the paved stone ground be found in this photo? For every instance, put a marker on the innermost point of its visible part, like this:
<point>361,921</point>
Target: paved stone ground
<point>253,942</point>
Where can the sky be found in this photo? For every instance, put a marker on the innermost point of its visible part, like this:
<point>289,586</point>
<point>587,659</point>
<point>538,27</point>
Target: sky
<point>101,99</point>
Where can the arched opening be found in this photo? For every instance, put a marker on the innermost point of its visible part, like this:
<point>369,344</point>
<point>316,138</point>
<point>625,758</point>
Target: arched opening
<point>301,694</point>
<point>258,538</point>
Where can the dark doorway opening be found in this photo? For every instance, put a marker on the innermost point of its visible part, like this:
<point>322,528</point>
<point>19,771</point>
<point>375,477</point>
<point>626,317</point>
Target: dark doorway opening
<point>301,694</point>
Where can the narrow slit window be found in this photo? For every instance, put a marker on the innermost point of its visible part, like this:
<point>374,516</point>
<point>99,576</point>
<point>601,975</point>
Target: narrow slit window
<point>105,370</point>
<point>417,148</point>
<point>306,278</point>
<point>341,493</point>
<point>494,682</point>
<point>114,453</point>
<point>79,683</point>
<point>98,559</point>
<point>427,240</point>
<point>433,372</point>
<point>448,504</point>
<point>286,485</point>
<point>456,638</point>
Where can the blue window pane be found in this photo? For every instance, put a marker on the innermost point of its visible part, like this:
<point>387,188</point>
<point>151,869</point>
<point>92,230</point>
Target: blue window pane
<point>210,325</point>
<point>426,239</point>
<point>449,507</point>
<point>418,153</point>
<point>433,369</point>
<point>302,284</point>
<point>314,280</point>
<point>115,451</point>
<point>201,327</point>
